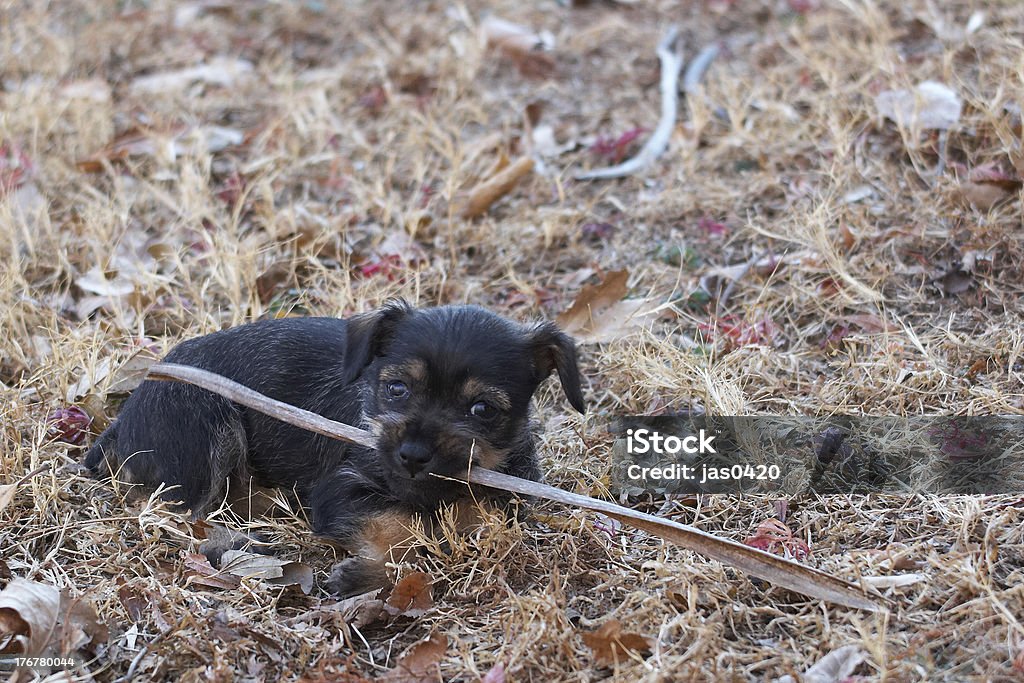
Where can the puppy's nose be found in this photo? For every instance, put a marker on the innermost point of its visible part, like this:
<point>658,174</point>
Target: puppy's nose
<point>414,455</point>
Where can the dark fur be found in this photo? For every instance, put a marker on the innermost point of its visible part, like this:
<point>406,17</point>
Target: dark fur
<point>196,441</point>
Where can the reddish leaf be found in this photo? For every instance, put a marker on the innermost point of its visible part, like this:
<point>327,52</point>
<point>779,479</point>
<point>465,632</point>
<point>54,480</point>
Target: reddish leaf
<point>419,664</point>
<point>738,333</point>
<point>616,149</point>
<point>597,232</point>
<point>713,227</point>
<point>411,597</point>
<point>775,537</point>
<point>835,338</point>
<point>15,167</point>
<point>374,100</point>
<point>69,425</point>
<point>611,645</point>
<point>232,189</point>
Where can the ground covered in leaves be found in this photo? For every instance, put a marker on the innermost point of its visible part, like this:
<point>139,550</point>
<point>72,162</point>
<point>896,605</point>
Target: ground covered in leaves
<point>835,227</point>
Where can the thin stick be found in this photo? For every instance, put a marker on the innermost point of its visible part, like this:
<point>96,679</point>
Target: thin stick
<point>671,57</point>
<point>253,399</point>
<point>778,570</point>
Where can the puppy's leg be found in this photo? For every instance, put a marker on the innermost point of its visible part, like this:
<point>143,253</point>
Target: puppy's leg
<point>106,445</point>
<point>383,537</point>
<point>350,509</point>
<point>180,436</point>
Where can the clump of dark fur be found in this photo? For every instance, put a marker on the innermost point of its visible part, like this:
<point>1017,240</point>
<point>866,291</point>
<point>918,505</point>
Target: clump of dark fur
<point>438,386</point>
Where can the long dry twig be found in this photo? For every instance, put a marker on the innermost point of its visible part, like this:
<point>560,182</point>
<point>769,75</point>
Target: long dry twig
<point>671,56</point>
<point>778,570</point>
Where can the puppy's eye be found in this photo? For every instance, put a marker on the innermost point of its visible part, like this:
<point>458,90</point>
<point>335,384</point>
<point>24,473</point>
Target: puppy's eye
<point>482,409</point>
<point>397,389</point>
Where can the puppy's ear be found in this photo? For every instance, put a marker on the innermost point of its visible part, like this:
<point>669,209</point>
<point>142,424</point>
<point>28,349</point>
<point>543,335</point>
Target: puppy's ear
<point>555,350</point>
<point>368,333</point>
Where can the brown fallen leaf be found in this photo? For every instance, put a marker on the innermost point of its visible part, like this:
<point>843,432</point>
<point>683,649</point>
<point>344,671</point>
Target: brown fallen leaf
<point>199,571</point>
<point>600,314</point>
<point>37,620</point>
<point>955,281</point>
<point>527,49</point>
<point>79,625</point>
<point>271,569</point>
<point>28,615</point>
<point>611,645</point>
<point>272,279</point>
<point>773,536</point>
<point>420,663</point>
<point>982,196</point>
<point>412,596</point>
<point>480,198</point>
<point>134,603</point>
<point>130,374</point>
<point>358,611</point>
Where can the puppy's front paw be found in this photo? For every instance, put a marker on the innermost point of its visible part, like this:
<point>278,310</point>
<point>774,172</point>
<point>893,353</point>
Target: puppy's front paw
<point>355,576</point>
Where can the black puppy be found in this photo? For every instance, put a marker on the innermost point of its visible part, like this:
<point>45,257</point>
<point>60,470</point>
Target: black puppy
<point>438,387</point>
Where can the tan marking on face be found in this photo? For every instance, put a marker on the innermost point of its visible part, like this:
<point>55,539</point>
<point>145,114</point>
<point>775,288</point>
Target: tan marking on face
<point>415,370</point>
<point>486,456</point>
<point>475,390</point>
<point>453,447</point>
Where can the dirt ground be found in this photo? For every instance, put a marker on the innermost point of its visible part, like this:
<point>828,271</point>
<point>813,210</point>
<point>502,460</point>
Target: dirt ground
<point>169,169</point>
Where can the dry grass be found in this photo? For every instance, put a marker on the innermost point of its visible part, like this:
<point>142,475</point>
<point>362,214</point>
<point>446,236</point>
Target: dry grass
<point>364,120</point>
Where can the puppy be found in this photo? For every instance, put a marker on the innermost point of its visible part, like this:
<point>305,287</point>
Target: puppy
<point>440,388</point>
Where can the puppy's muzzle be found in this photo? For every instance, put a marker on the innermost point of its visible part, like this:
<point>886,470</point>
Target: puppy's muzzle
<point>415,456</point>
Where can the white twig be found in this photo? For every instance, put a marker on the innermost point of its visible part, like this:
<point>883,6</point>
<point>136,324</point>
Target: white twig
<point>671,55</point>
<point>698,67</point>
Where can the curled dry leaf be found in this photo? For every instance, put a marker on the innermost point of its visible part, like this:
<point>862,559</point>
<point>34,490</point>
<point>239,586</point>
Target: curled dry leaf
<point>600,314</point>
<point>130,374</point>
<point>198,570</point>
<point>611,645</point>
<point>987,185</point>
<point>271,569</point>
<point>69,425</point>
<point>481,197</point>
<point>773,536</point>
<point>927,106</point>
<point>528,49</point>
<point>28,612</point>
<point>358,610</point>
<point>838,665</point>
<point>412,596</point>
<point>419,664</point>
<point>37,619</point>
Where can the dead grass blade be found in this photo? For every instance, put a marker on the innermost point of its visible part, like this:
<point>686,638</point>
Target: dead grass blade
<point>777,570</point>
